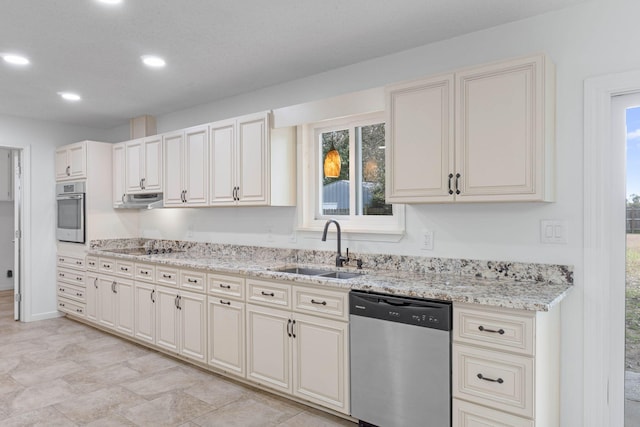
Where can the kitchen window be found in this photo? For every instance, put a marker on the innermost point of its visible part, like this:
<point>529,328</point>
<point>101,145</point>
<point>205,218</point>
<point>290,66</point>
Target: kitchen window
<point>354,195</point>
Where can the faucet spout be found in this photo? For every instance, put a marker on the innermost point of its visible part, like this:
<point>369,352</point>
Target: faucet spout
<point>340,260</point>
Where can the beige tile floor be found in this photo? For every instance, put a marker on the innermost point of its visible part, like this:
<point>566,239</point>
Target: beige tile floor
<point>62,373</point>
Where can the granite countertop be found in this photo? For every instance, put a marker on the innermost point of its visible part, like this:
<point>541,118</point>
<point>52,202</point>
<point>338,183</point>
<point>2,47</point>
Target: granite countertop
<point>498,292</point>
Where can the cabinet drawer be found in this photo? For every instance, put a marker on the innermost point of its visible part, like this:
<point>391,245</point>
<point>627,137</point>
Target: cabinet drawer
<point>124,268</point>
<point>71,307</point>
<point>107,265</point>
<point>193,280</point>
<point>167,276</point>
<point>71,292</point>
<point>73,277</point>
<point>320,302</point>
<point>269,293</point>
<point>502,381</point>
<point>226,286</point>
<point>92,263</point>
<point>70,262</point>
<point>145,272</point>
<point>467,414</point>
<point>510,331</point>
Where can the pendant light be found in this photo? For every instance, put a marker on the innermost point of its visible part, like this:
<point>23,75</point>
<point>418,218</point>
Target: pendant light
<point>332,163</point>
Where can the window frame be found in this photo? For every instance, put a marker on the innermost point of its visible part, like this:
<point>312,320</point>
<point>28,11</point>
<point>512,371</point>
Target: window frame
<point>310,217</point>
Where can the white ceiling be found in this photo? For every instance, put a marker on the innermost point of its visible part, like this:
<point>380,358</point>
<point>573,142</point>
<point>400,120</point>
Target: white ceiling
<point>214,48</point>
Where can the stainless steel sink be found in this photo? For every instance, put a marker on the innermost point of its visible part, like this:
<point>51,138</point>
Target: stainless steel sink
<point>319,272</point>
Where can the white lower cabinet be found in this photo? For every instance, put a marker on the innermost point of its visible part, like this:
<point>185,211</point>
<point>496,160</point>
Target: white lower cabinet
<point>303,355</point>
<point>505,367</point>
<point>115,303</point>
<point>91,296</point>
<point>145,312</point>
<point>181,322</point>
<point>226,335</point>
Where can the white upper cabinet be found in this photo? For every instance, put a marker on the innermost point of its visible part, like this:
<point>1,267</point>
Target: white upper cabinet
<point>504,120</point>
<point>251,164</point>
<point>186,167</point>
<point>119,167</point>
<point>6,175</point>
<point>144,165</point>
<point>71,161</point>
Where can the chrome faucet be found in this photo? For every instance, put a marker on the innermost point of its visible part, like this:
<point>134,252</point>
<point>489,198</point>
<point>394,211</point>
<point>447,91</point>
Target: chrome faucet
<point>340,260</point>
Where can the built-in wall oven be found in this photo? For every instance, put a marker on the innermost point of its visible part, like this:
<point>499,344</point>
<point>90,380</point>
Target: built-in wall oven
<point>70,221</point>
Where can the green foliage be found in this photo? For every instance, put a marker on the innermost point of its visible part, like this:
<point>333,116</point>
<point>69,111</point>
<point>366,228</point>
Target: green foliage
<point>634,202</point>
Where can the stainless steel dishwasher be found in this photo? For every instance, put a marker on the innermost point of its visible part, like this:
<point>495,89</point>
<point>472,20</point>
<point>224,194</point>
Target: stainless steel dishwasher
<point>400,360</point>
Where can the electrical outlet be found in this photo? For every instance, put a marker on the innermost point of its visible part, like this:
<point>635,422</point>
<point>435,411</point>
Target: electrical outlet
<point>269,233</point>
<point>553,231</point>
<point>427,240</point>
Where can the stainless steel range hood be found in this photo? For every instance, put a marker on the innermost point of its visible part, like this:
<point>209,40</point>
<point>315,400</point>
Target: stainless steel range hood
<point>141,201</point>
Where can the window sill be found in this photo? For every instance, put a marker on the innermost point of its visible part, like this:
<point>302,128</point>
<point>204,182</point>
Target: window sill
<point>389,236</point>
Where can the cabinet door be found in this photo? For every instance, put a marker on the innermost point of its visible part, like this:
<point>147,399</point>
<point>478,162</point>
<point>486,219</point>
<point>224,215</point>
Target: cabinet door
<point>196,166</point>
<point>223,163</point>
<point>145,312</point>
<point>173,185</point>
<point>152,162</point>
<point>106,302</point>
<point>500,131</point>
<point>253,160</point>
<point>226,334</point>
<point>63,170</point>
<point>320,361</point>
<point>269,347</point>
<point>419,142</point>
<point>124,306</point>
<point>167,318</point>
<point>119,176</point>
<point>91,296</point>
<point>135,165</point>
<point>193,326</point>
<point>77,157</point>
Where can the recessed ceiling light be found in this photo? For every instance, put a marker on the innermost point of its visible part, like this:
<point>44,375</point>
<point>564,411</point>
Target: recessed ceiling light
<point>110,1</point>
<point>153,61</point>
<point>69,96</point>
<point>15,59</point>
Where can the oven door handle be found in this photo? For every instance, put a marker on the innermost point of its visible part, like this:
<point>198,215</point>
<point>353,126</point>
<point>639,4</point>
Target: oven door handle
<point>70,197</point>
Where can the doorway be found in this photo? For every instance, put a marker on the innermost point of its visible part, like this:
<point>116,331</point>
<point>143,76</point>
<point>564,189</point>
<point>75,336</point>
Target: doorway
<point>10,232</point>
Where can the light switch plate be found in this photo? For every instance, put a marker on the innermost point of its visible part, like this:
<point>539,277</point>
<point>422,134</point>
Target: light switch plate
<point>427,242</point>
<point>553,231</point>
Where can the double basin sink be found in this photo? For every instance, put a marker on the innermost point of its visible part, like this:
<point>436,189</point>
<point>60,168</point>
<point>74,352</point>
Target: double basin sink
<point>318,272</point>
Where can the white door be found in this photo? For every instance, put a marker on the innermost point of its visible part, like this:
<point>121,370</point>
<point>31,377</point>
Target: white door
<point>320,361</point>
<point>124,306</point>
<point>91,296</point>
<point>253,160</point>
<point>196,166</point>
<point>106,301</point>
<point>222,145</point>
<point>152,161</point>
<point>78,160</point>
<point>173,185</point>
<point>145,312</point>
<point>420,140</point>
<point>135,165</point>
<point>269,347</point>
<point>17,233</point>
<point>193,325</point>
<point>119,167</point>
<point>226,334</point>
<point>167,327</point>
<point>63,170</point>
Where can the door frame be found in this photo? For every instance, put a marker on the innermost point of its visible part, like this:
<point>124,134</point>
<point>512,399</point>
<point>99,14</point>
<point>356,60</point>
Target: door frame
<point>603,309</point>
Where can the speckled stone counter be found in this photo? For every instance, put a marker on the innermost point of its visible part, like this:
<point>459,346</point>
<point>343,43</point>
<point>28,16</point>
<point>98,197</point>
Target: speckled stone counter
<point>502,284</point>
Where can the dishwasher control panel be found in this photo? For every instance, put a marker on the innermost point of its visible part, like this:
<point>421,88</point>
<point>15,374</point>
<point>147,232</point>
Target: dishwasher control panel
<point>412,311</point>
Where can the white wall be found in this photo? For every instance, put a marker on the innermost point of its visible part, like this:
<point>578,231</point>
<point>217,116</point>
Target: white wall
<point>587,40</point>
<point>6,244</point>
<point>39,139</point>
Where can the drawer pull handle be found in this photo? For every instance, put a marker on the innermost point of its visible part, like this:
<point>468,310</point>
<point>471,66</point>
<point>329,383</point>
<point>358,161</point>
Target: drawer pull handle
<point>166,276</point>
<point>192,280</point>
<point>79,279</point>
<point>318,302</point>
<point>61,274</point>
<point>483,329</point>
<point>225,286</point>
<point>78,294</point>
<point>225,303</point>
<point>146,273</point>
<point>288,328</point>
<point>124,269</point>
<point>482,377</point>
<point>79,262</point>
<point>268,294</point>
